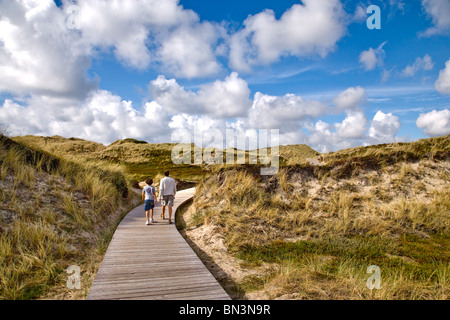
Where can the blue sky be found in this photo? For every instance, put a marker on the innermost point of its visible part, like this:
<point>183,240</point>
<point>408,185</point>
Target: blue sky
<point>150,69</point>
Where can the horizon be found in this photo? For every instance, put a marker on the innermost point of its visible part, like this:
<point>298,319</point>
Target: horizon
<point>105,71</point>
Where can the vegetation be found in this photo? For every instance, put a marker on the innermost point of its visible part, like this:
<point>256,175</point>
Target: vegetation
<point>139,159</point>
<point>54,213</point>
<point>316,229</point>
<point>136,159</point>
<point>308,232</point>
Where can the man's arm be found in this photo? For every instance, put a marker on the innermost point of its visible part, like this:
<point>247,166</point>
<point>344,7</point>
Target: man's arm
<point>161,189</point>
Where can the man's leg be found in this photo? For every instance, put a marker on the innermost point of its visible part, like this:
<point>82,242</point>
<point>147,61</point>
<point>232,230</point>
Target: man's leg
<point>170,213</point>
<point>163,211</point>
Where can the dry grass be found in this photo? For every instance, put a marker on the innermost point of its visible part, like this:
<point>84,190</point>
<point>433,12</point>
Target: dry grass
<point>136,159</point>
<point>53,213</point>
<point>321,227</point>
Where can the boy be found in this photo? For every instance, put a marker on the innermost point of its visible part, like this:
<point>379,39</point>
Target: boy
<point>149,198</point>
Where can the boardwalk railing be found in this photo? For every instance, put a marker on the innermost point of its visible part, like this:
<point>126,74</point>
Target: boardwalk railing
<point>153,262</point>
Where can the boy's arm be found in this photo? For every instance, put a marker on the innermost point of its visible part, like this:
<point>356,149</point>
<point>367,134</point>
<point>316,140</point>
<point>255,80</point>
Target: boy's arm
<point>143,195</point>
<point>154,197</point>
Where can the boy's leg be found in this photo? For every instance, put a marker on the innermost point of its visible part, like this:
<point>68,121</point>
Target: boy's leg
<point>151,213</point>
<point>146,214</point>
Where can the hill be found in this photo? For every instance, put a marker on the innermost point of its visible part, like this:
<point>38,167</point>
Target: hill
<point>54,213</point>
<point>140,159</point>
<point>311,232</point>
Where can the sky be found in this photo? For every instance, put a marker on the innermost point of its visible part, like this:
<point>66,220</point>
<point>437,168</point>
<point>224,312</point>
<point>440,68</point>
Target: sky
<point>157,70</point>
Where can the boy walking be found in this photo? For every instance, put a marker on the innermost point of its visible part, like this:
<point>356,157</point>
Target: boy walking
<point>149,198</point>
<point>167,191</point>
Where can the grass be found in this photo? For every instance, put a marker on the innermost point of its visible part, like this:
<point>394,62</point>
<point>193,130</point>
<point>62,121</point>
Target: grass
<point>407,272</point>
<point>317,228</point>
<point>53,213</point>
<point>320,227</point>
<point>136,159</point>
<point>139,159</point>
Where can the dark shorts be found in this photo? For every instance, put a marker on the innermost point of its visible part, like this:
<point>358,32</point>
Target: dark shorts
<point>149,204</point>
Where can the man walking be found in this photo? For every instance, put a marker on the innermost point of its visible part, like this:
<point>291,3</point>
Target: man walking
<point>167,192</point>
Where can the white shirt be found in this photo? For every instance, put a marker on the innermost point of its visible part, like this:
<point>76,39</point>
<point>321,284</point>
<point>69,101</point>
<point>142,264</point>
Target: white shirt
<point>167,186</point>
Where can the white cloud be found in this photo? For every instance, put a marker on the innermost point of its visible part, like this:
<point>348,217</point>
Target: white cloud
<point>102,117</point>
<point>353,126</point>
<point>156,32</point>
<point>384,128</point>
<point>228,98</point>
<point>435,123</point>
<point>352,132</point>
<point>325,137</point>
<point>222,99</point>
<point>386,74</point>
<point>372,58</point>
<point>188,51</point>
<point>275,112</point>
<point>424,63</point>
<point>303,30</point>
<point>360,14</point>
<point>369,59</point>
<point>38,53</point>
<point>439,12</point>
<point>442,84</point>
<point>351,99</point>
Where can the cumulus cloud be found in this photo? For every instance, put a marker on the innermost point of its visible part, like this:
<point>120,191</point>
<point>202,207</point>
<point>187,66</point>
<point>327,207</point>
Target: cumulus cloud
<point>223,99</point>
<point>39,54</point>
<point>155,32</point>
<point>353,127</point>
<point>442,84</point>
<point>384,128</point>
<point>102,117</point>
<point>353,131</point>
<point>435,123</point>
<point>424,63</point>
<point>372,58</point>
<point>351,99</point>
<point>44,64</point>
<point>326,137</point>
<point>439,12</point>
<point>188,51</point>
<point>284,112</point>
<point>303,30</point>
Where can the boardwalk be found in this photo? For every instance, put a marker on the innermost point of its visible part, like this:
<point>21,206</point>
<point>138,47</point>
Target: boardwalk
<point>153,262</point>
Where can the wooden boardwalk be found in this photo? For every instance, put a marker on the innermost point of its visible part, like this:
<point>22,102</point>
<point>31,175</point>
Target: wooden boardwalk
<point>153,262</point>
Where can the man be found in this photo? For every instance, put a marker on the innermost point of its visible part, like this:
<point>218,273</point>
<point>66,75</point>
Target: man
<point>167,191</point>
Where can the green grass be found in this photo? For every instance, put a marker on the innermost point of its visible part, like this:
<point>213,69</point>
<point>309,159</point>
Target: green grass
<point>419,266</point>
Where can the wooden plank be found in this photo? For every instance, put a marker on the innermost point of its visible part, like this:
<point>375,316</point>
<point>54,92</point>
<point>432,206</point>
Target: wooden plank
<point>153,262</point>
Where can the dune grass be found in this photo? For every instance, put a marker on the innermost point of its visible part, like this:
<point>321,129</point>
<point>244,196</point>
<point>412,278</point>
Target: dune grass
<point>320,228</point>
<point>53,213</point>
<point>136,159</point>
